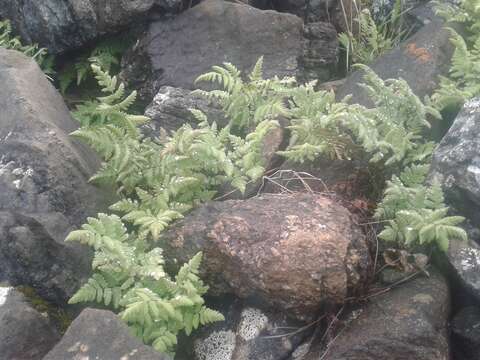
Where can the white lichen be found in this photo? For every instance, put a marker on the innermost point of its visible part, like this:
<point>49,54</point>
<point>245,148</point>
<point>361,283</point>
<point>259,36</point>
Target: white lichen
<point>4,291</point>
<point>252,322</point>
<point>470,259</point>
<point>219,345</point>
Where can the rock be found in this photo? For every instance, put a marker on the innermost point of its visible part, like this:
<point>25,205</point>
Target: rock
<point>170,110</point>
<point>407,322</point>
<point>61,25</point>
<point>463,262</point>
<point>294,252</point>
<point>320,52</point>
<point>351,179</point>
<point>44,191</point>
<point>100,334</point>
<point>176,51</point>
<point>420,60</point>
<point>25,334</point>
<point>466,333</point>
<point>456,163</point>
<point>248,333</point>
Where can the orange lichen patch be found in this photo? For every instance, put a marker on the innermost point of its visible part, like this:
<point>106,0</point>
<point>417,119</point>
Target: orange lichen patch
<point>421,54</point>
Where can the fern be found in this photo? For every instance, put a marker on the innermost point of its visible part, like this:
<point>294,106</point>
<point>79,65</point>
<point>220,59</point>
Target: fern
<point>106,55</point>
<point>416,214</point>
<point>247,103</point>
<point>158,180</point>
<point>462,81</point>
<point>372,40</point>
<point>8,41</point>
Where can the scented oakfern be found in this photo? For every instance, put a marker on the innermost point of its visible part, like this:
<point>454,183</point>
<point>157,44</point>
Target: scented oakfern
<point>368,40</point>
<point>158,180</point>
<point>462,81</point>
<point>247,103</point>
<point>8,41</point>
<point>106,54</point>
<point>416,213</point>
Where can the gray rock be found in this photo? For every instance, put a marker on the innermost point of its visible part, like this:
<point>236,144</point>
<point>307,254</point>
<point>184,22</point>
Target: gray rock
<point>456,163</point>
<point>44,191</point>
<point>419,61</point>
<point>466,333</point>
<point>463,261</point>
<point>248,333</point>
<point>310,10</point>
<point>170,110</point>
<point>294,252</point>
<point>176,51</point>
<point>100,334</point>
<point>25,334</point>
<point>407,322</point>
<point>61,25</point>
<point>320,52</point>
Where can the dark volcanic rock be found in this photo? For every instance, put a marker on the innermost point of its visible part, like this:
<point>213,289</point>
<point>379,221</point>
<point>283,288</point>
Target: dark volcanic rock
<point>61,25</point>
<point>25,334</point>
<point>43,183</point>
<point>295,252</point>
<point>99,334</point>
<point>405,323</point>
<point>419,61</point>
<point>456,162</point>
<point>463,261</point>
<point>466,333</point>
<point>176,51</point>
<point>320,52</point>
<point>170,110</point>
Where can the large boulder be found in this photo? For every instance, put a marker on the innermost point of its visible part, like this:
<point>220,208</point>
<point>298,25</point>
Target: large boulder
<point>295,252</point>
<point>407,322</point>
<point>419,61</point>
<point>60,25</point>
<point>25,334</point>
<point>100,334</point>
<point>176,51</point>
<point>44,191</point>
<point>248,333</point>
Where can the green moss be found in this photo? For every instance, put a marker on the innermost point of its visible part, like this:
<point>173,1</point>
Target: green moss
<point>60,317</point>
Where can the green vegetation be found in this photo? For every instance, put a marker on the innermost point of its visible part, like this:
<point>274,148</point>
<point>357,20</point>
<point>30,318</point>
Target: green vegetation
<point>366,40</point>
<point>158,180</point>
<point>462,83</point>
<point>8,41</point>
<point>106,54</point>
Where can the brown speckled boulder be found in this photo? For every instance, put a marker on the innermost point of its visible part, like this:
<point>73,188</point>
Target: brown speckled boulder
<point>295,252</point>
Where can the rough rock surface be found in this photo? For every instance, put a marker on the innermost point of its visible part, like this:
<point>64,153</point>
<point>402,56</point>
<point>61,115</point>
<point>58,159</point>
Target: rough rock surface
<point>295,252</point>
<point>464,263</point>
<point>170,110</point>
<point>419,61</point>
<point>456,162</point>
<point>100,334</point>
<point>43,183</point>
<point>466,333</point>
<point>61,25</point>
<point>348,178</point>
<point>320,52</point>
<point>248,333</point>
<point>25,334</point>
<point>408,322</point>
<point>176,51</point>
